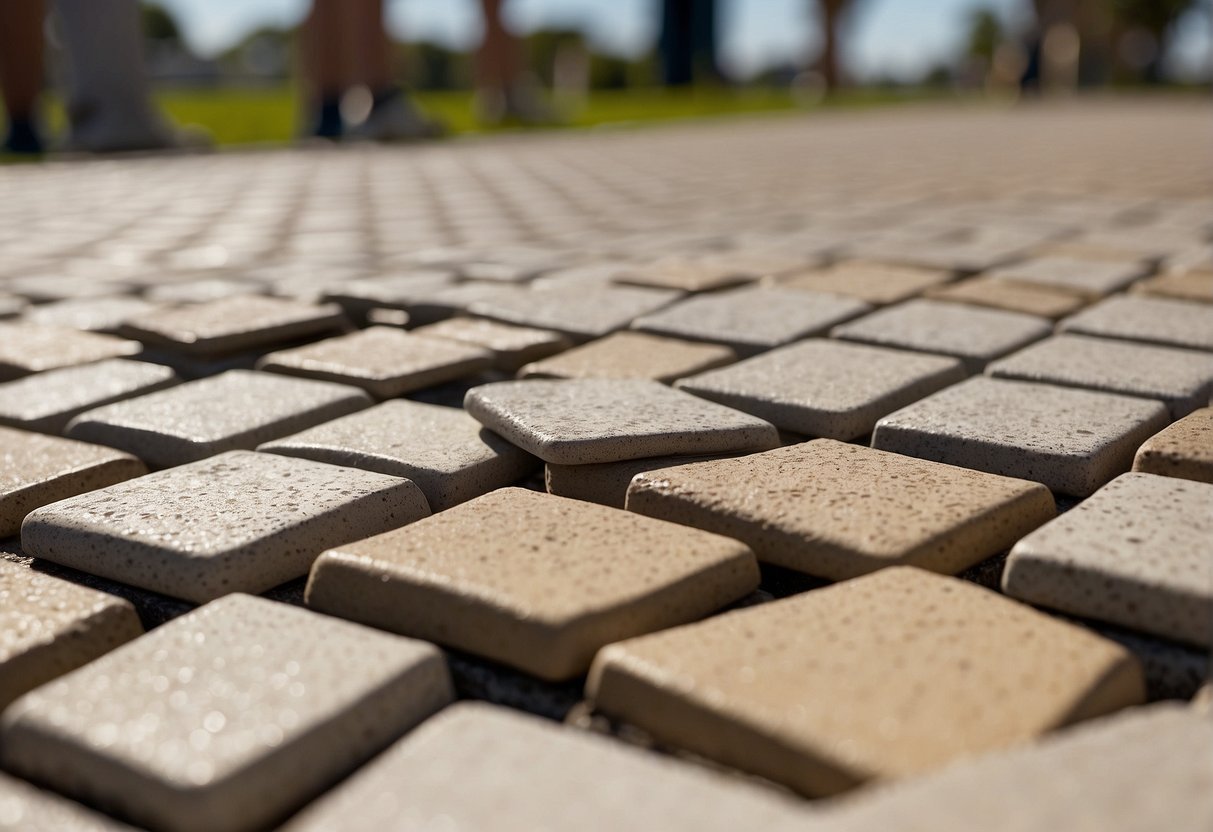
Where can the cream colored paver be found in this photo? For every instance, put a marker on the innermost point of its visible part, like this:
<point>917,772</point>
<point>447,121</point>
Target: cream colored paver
<point>443,450</point>
<point>876,283</point>
<point>584,421</point>
<point>37,469</point>
<point>236,409</point>
<point>203,290</point>
<point>1184,449</point>
<point>826,388</point>
<point>511,346</point>
<point>1181,379</point>
<point>227,718</point>
<point>531,580</point>
<point>49,626</point>
<point>1195,285</point>
<point>632,355</point>
<point>752,319</point>
<point>888,675</point>
<point>1073,441</point>
<point>580,312</point>
<point>1152,320</point>
<point>11,306</point>
<point>475,766</point>
<point>390,291</point>
<point>32,348</point>
<point>384,361</point>
<point>1136,553</point>
<point>1092,278</point>
<point>687,273</point>
<point>238,522</point>
<point>25,808</point>
<point>46,402</point>
<point>838,510</point>
<point>607,483</point>
<point>91,314</point>
<point>974,335</point>
<point>1030,299</point>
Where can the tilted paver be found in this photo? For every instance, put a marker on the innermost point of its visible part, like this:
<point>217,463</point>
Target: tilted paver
<point>1184,449</point>
<point>389,291</point>
<point>579,312</point>
<point>1195,285</point>
<point>46,402</point>
<point>1152,320</point>
<point>511,346</point>
<point>33,348</point>
<point>25,808</point>
<point>687,274</point>
<point>1093,278</point>
<point>606,483</point>
<point>632,355</point>
<point>1030,299</point>
<point>875,283</point>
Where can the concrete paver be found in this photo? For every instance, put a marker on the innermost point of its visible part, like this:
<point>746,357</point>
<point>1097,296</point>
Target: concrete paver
<point>32,348</point>
<point>1093,278</point>
<point>876,283</point>
<point>25,808</point>
<point>511,346</point>
<point>1163,321</point>
<point>1184,449</point>
<point>1042,301</point>
<point>1194,285</point>
<point>46,402</point>
<point>632,355</point>
<point>579,312</point>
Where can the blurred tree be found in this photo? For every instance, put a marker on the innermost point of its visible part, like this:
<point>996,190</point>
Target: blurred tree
<point>830,63</point>
<point>985,34</point>
<point>543,46</point>
<point>159,24</point>
<point>1154,18</point>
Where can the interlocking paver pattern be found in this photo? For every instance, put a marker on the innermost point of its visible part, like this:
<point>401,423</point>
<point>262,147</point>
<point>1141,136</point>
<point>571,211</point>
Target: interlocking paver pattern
<point>46,402</point>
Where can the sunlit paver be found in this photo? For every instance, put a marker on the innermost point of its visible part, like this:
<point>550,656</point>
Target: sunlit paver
<point>511,346</point>
<point>1195,285</point>
<point>687,274</point>
<point>875,283</point>
<point>1093,278</point>
<point>606,483</point>
<point>46,402</point>
<point>11,305</point>
<point>1184,449</point>
<point>391,291</point>
<point>1152,320</point>
<point>632,355</point>
<point>90,314</point>
<point>579,312</point>
<point>31,348</point>
<point>25,808</point>
<point>1042,301</point>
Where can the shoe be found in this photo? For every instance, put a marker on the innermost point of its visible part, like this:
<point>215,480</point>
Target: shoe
<point>22,139</point>
<point>108,131</point>
<point>395,118</point>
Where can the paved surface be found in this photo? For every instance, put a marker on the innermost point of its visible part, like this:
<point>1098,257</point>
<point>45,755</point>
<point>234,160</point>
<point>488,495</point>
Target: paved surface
<point>811,372</point>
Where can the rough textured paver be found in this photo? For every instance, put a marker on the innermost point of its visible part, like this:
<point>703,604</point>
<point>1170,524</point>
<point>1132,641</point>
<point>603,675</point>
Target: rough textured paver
<point>1073,441</point>
<point>236,409</point>
<point>888,675</point>
<point>874,283</point>
<point>203,290</point>
<point>392,291</point>
<point>531,580</point>
<point>1136,554</point>
<point>11,306</point>
<point>49,626</point>
<point>686,274</point>
<point>826,388</point>
<point>583,421</point>
<point>607,483</point>
<point>511,346</point>
<point>974,335</point>
<point>36,470</point>
<point>1030,299</point>
<point>1093,278</point>
<point>579,312</point>
<point>443,450</point>
<point>227,718</point>
<point>1184,449</point>
<point>384,361</point>
<point>239,522</point>
<point>24,808</point>
<point>31,348</point>
<point>46,402</point>
<point>632,355</point>
<point>91,314</point>
<point>1164,321</point>
<point>837,510</point>
<point>1196,285</point>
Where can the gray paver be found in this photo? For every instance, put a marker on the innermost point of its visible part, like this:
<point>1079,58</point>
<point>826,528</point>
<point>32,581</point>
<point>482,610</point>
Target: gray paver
<point>511,346</point>
<point>25,808</point>
<point>1152,320</point>
<point>46,402</point>
<point>32,348</point>
<point>1093,278</point>
<point>579,312</point>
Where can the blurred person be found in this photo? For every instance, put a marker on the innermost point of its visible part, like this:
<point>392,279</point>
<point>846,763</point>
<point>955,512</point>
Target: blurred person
<point>504,92</point>
<point>21,72</point>
<point>687,43</point>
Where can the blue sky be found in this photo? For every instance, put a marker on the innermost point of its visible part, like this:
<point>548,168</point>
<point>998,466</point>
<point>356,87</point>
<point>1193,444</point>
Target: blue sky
<point>887,37</point>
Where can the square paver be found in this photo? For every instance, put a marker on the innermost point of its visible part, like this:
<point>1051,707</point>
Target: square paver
<point>37,469</point>
<point>1184,449</point>
<point>752,319</point>
<point>511,346</point>
<point>1152,320</point>
<point>534,581</point>
<point>1197,286</point>
<point>46,402</point>
<point>392,291</point>
<point>1093,278</point>
<point>874,283</point>
<point>443,450</point>
<point>826,388</point>
<point>233,410</point>
<point>1136,554</point>
<point>11,306</point>
<point>837,510</point>
<point>32,348</point>
<point>685,273</point>
<point>26,808</point>
<point>632,355</point>
<point>584,421</point>
<point>888,675</point>
<point>238,522</point>
<point>1073,441</point>
<point>91,314</point>
<point>580,312</point>
<point>974,335</point>
<point>607,483</point>
<point>203,290</point>
<point>1030,299</point>
<point>227,718</point>
<point>384,361</point>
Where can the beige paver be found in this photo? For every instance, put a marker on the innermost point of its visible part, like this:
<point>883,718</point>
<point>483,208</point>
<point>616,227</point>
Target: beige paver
<point>875,283</point>
<point>1181,379</point>
<point>531,580</point>
<point>49,626</point>
<point>443,450</point>
<point>1152,320</point>
<point>1093,278</point>
<point>632,355</point>
<point>607,483</point>
<point>974,335</point>
<point>32,348</point>
<point>226,718</point>
<point>390,291</point>
<point>1195,285</point>
<point>826,388</point>
<point>1073,441</point>
<point>1030,299</point>
<point>11,306</point>
<point>236,409</point>
<point>752,319</point>
<point>838,510</point>
<point>1184,449</point>
<point>687,273</point>
<point>37,469</point>
<point>91,314</point>
<point>888,675</point>
<point>584,421</point>
<point>1136,554</point>
<point>25,808</point>
<point>511,346</point>
<point>46,402</point>
<point>384,361</point>
<point>238,522</point>
<point>580,312</point>
<point>475,766</point>
<point>203,290</point>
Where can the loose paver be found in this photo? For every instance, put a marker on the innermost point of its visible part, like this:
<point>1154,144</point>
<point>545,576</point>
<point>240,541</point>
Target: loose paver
<point>1152,320</point>
<point>37,469</point>
<point>752,319</point>
<point>887,675</point>
<point>443,450</point>
<point>49,626</point>
<point>238,522</point>
<point>1182,379</point>
<point>384,361</point>
<point>1073,441</point>
<point>580,312</point>
<point>227,718</point>
<point>1030,299</point>
<point>46,402</point>
<point>1195,285</point>
<point>1184,449</point>
<point>531,580</point>
<point>1136,554</point>
<point>475,766</point>
<point>24,808</point>
<point>511,346</point>
<point>875,283</point>
<point>1093,278</point>
<point>837,510</point>
<point>34,348</point>
<point>236,409</point>
<point>607,483</point>
<point>687,274</point>
<point>826,388</point>
<point>584,421</point>
<point>632,355</point>
<point>974,335</point>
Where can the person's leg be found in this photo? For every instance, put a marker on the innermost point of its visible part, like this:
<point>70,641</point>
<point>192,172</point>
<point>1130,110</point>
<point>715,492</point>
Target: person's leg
<point>325,43</point>
<point>21,71</point>
<point>502,90</point>
<point>677,55</point>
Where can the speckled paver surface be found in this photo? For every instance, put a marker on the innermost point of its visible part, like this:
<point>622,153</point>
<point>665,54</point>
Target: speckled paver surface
<point>1184,449</point>
<point>633,355</point>
<point>46,402</point>
<point>1153,320</point>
